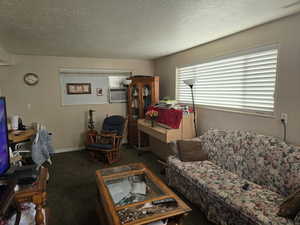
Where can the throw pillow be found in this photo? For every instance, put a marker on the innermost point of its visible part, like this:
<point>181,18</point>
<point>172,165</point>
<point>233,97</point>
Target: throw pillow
<point>290,206</point>
<point>189,151</point>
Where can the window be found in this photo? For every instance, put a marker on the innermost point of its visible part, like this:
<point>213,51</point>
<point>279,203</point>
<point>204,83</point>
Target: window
<point>241,83</point>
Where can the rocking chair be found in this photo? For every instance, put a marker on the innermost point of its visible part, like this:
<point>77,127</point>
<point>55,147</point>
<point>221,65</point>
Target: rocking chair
<point>107,143</point>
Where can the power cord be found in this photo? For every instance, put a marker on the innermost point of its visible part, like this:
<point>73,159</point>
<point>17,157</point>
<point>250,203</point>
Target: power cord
<point>284,129</point>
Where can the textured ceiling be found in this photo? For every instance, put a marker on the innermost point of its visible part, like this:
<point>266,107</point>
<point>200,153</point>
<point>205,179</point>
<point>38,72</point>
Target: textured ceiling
<point>127,28</point>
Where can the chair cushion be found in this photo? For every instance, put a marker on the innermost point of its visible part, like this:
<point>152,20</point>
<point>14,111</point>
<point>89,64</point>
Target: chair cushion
<point>100,146</point>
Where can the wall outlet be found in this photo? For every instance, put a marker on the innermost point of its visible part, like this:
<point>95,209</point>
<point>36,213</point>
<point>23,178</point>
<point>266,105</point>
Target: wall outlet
<point>284,118</point>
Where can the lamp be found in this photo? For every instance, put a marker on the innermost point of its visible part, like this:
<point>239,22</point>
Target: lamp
<point>91,123</point>
<point>190,83</point>
<point>126,83</point>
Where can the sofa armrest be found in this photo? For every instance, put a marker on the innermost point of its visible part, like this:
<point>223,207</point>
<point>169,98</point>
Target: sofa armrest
<point>297,219</point>
<point>174,148</point>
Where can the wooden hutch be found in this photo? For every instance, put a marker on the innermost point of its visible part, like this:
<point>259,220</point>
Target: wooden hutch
<point>142,93</point>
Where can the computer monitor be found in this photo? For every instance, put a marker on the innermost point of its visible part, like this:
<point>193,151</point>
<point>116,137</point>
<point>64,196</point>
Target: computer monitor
<point>4,144</point>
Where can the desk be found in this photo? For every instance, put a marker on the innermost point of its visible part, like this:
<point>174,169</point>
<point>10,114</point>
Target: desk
<point>36,194</point>
<point>20,135</point>
<point>160,136</point>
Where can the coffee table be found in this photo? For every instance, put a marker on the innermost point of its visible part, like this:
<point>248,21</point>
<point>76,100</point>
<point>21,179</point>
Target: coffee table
<point>126,196</point>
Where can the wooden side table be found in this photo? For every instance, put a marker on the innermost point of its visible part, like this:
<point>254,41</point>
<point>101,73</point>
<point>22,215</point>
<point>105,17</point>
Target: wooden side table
<point>36,194</point>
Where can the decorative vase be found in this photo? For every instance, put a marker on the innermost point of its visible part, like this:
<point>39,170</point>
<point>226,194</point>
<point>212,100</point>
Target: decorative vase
<point>152,122</point>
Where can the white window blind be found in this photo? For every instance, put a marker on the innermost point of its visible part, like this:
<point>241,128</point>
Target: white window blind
<point>244,83</point>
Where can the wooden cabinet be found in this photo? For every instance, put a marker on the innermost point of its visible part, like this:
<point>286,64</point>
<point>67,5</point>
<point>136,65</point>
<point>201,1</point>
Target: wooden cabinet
<point>142,93</point>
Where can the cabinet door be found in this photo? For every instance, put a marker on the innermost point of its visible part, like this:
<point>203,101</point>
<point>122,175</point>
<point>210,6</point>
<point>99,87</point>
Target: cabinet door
<point>134,103</point>
<point>146,93</point>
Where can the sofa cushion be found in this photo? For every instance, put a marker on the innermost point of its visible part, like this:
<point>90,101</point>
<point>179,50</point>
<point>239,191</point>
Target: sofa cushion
<point>257,203</point>
<point>189,150</point>
<point>100,146</point>
<point>264,160</point>
<point>290,206</point>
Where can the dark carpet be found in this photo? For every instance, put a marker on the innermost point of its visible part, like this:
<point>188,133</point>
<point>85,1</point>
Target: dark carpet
<point>72,188</point>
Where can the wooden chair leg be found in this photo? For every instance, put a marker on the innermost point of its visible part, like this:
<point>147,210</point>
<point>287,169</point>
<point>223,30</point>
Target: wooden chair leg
<point>112,157</point>
<point>93,156</point>
<point>39,216</point>
<point>39,201</point>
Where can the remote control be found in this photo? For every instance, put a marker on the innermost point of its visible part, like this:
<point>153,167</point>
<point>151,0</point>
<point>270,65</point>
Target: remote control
<point>164,201</point>
<point>246,186</point>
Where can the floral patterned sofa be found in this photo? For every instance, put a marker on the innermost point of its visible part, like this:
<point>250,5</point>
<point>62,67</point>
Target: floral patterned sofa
<point>268,165</point>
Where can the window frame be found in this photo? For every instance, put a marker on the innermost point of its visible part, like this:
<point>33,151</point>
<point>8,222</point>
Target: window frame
<point>232,55</point>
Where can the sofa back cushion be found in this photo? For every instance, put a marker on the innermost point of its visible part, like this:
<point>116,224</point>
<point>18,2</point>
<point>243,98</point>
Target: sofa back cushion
<point>261,159</point>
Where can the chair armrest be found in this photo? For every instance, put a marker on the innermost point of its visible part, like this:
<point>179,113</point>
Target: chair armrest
<point>111,136</point>
<point>118,141</point>
<point>162,163</point>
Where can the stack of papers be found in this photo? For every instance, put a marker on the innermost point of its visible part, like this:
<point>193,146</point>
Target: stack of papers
<point>126,191</point>
<point>119,190</point>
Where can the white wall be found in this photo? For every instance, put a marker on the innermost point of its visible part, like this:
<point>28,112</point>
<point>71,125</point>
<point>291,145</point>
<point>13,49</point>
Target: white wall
<point>284,32</point>
<point>42,103</point>
<point>5,57</point>
<point>96,81</point>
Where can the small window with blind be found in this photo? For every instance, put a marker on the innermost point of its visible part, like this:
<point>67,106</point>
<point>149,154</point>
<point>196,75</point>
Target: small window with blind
<point>240,83</point>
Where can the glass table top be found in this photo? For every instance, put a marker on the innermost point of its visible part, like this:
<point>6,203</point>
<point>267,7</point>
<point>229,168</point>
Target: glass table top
<point>119,169</point>
<point>131,189</point>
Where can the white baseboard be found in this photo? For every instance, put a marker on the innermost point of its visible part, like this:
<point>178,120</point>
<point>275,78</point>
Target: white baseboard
<point>68,149</point>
